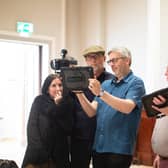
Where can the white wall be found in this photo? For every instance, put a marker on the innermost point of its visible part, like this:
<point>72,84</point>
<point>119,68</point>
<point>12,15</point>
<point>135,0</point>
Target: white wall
<point>153,45</point>
<point>126,25</point>
<point>85,25</point>
<point>76,24</point>
<point>47,17</point>
<point>163,41</point>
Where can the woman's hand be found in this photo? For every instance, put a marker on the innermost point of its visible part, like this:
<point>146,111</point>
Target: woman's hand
<point>159,101</point>
<point>58,97</point>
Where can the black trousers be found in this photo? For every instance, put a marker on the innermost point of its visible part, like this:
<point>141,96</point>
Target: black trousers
<point>48,164</point>
<point>80,153</point>
<point>111,160</point>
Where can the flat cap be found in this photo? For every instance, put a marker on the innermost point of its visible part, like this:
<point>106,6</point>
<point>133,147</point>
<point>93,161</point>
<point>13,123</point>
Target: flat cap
<point>93,49</point>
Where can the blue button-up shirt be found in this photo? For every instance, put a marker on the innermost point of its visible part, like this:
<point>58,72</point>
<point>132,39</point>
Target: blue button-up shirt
<point>116,132</point>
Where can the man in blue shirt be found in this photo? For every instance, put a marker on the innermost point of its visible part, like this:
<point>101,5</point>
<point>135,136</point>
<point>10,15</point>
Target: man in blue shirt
<point>118,109</point>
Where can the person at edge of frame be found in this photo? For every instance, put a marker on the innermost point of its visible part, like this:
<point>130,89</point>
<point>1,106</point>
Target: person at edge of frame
<point>160,136</point>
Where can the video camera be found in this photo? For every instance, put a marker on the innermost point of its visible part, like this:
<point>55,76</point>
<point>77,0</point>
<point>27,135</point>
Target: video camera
<point>73,77</point>
<point>57,64</point>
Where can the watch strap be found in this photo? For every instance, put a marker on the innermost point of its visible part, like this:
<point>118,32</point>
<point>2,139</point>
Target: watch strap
<point>101,93</point>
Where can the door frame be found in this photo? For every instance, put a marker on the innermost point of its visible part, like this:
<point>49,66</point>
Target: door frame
<point>33,39</point>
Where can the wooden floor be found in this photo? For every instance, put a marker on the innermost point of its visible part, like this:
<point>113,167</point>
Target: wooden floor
<point>18,150</point>
<point>140,166</point>
<point>135,166</point>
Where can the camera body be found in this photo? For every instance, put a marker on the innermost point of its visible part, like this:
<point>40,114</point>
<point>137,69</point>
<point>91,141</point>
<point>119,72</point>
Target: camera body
<point>57,64</point>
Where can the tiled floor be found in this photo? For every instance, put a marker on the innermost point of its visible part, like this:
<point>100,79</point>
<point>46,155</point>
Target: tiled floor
<point>9,149</point>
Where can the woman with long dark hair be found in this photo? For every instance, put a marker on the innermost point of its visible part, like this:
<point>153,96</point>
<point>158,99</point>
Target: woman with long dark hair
<point>49,124</point>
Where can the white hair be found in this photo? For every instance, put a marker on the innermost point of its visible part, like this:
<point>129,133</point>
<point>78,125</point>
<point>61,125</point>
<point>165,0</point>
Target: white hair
<point>123,51</point>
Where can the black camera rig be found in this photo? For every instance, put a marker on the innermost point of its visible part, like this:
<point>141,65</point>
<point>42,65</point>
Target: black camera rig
<point>57,64</point>
<point>73,77</point>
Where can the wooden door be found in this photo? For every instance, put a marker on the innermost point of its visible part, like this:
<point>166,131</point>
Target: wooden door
<point>144,153</point>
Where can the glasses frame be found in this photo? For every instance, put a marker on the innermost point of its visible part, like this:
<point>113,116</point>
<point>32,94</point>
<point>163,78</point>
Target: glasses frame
<point>114,60</point>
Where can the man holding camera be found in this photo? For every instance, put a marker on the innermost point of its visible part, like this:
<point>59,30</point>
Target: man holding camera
<point>84,129</point>
<point>117,106</point>
<point>160,136</point>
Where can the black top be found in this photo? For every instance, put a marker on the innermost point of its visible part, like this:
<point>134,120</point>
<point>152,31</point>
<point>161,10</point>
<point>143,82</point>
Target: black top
<point>47,130</point>
<point>85,126</point>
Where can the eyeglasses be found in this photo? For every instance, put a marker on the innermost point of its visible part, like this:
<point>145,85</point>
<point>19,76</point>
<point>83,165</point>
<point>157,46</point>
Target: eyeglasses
<point>114,60</point>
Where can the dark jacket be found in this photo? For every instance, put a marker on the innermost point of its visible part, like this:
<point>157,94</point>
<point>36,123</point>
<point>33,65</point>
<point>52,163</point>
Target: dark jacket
<point>47,130</point>
<point>85,126</point>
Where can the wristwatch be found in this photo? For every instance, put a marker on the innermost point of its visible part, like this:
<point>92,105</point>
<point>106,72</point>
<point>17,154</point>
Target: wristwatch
<point>101,93</point>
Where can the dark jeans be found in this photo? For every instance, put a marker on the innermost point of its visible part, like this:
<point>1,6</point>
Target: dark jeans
<point>49,164</point>
<point>111,160</point>
<point>80,153</point>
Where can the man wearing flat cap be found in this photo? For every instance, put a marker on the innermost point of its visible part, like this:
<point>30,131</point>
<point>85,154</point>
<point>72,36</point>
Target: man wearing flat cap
<point>84,129</point>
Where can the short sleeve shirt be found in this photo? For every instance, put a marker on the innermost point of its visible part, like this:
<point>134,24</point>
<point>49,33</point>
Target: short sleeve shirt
<point>116,132</point>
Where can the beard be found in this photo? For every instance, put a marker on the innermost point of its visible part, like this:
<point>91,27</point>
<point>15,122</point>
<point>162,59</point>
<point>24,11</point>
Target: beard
<point>97,70</point>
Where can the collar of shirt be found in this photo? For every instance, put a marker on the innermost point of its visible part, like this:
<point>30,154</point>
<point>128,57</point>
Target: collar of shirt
<point>125,79</point>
